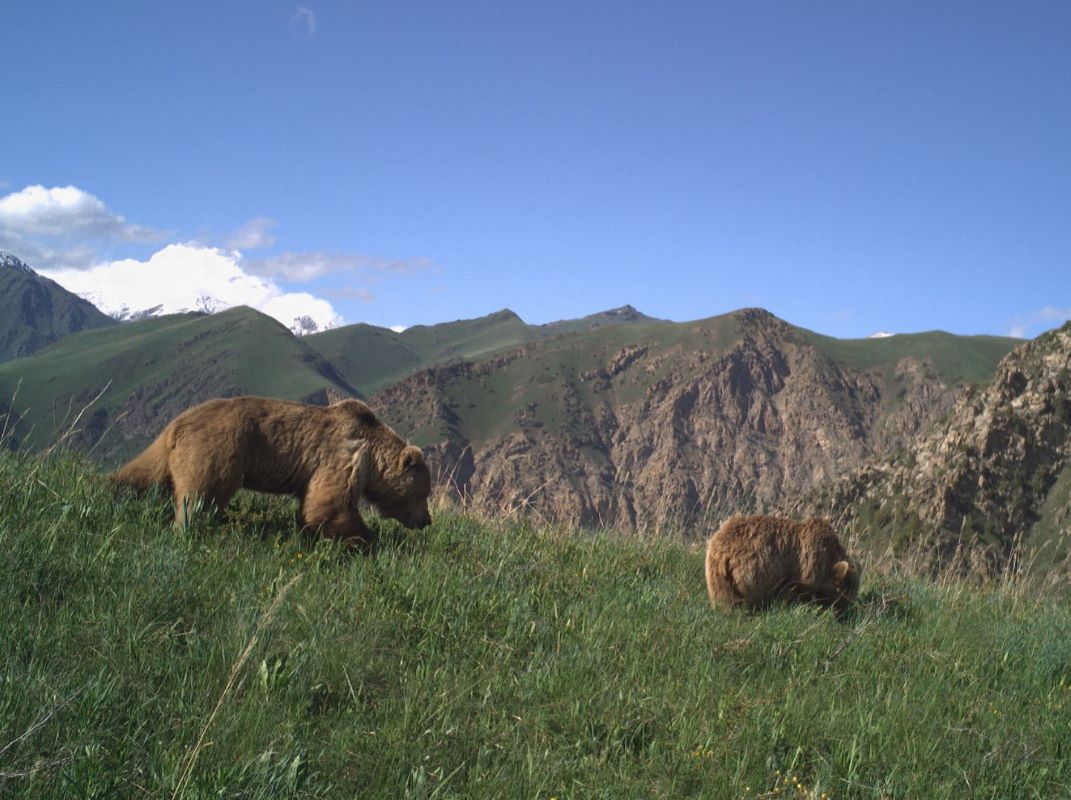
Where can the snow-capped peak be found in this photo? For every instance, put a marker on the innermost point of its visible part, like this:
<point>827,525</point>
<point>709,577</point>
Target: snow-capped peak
<point>13,261</point>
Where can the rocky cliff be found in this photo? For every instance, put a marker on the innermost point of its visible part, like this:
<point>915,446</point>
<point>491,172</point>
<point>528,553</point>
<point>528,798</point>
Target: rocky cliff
<point>668,433</point>
<point>992,477</point>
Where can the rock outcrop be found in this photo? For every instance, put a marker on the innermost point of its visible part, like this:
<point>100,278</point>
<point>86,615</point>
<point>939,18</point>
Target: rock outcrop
<point>993,476</point>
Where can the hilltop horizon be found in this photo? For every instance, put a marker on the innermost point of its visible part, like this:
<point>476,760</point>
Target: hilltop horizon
<point>629,310</point>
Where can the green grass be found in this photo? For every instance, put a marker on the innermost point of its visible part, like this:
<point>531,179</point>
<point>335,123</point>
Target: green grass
<point>487,659</point>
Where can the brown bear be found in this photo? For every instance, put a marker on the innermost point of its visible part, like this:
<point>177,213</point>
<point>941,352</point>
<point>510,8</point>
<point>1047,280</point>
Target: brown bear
<point>752,561</point>
<point>328,457</point>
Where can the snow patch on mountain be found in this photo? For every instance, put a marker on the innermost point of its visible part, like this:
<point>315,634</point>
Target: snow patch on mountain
<point>187,277</point>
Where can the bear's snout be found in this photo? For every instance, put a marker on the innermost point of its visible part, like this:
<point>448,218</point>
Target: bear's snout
<point>419,520</point>
<point>413,518</point>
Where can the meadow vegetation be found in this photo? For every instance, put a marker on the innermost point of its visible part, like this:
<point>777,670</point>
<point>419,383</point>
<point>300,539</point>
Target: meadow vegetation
<point>489,658</point>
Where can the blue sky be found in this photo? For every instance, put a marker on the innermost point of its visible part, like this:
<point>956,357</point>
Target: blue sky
<point>849,166</point>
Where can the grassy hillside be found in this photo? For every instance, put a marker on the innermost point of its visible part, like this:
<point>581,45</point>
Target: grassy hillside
<point>151,370</point>
<point>373,358</point>
<point>488,659</point>
<point>957,359</point>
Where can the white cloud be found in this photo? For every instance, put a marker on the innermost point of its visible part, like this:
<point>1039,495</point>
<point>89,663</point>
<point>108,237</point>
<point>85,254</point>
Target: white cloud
<point>66,211</point>
<point>253,235</point>
<point>304,17</point>
<point>63,226</point>
<point>181,277</point>
<point>398,328</point>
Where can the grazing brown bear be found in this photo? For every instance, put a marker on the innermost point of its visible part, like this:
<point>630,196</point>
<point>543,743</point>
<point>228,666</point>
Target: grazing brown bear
<point>327,457</point>
<point>752,561</point>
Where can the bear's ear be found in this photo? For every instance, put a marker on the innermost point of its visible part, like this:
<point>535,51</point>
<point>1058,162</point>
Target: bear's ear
<point>841,570</point>
<point>411,456</point>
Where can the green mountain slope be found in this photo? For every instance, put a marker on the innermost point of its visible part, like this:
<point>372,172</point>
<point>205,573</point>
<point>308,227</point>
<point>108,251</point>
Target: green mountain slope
<point>150,370</point>
<point>957,359</point>
<point>34,311</point>
<point>373,358</point>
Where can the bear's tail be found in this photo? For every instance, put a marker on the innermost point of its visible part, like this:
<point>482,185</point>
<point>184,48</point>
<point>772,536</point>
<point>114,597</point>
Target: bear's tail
<point>148,469</point>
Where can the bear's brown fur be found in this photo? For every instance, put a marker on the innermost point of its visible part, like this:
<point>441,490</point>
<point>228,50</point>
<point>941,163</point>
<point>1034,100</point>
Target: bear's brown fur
<point>752,561</point>
<point>327,457</point>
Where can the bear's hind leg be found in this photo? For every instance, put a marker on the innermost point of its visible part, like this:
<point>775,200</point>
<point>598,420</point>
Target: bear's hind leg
<point>192,490</point>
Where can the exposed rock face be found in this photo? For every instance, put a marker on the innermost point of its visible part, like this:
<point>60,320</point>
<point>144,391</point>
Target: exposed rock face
<point>663,439</point>
<point>994,474</point>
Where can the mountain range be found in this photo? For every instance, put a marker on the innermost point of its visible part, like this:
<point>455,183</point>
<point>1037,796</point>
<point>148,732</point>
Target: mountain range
<point>616,419</point>
<point>661,426</point>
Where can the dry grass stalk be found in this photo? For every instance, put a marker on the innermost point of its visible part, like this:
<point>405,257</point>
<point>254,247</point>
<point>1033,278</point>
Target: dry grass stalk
<point>236,668</point>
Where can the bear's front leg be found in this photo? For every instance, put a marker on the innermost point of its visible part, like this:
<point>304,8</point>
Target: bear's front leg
<point>328,509</point>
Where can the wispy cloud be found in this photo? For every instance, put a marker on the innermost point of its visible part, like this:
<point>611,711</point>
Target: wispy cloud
<point>312,264</point>
<point>1017,331</point>
<point>253,235</point>
<point>351,293</point>
<point>1038,321</point>
<point>1052,314</point>
<point>305,19</point>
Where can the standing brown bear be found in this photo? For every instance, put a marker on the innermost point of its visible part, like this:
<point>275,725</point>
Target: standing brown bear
<point>327,457</point>
<point>752,561</point>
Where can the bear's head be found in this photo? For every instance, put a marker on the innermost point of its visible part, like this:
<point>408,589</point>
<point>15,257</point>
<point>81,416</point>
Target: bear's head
<point>845,582</point>
<point>405,489</point>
